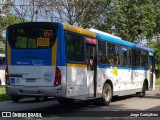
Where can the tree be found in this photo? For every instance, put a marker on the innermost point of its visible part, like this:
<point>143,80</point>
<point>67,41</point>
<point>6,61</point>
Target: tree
<point>133,20</point>
<point>76,12</point>
<point>8,20</point>
<point>28,9</point>
<point>6,6</point>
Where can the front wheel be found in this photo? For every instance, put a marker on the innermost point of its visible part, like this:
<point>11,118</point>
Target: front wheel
<point>15,98</point>
<point>107,94</point>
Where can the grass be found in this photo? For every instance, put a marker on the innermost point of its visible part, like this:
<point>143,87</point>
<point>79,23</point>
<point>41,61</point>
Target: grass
<point>158,81</point>
<point>3,96</point>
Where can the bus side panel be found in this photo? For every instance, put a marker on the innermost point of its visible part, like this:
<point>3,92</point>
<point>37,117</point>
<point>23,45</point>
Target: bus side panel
<point>76,81</point>
<point>125,80</point>
<point>105,73</point>
<point>139,75</point>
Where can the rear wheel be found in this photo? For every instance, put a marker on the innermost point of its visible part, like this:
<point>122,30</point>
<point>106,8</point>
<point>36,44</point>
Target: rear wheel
<point>65,101</point>
<point>142,94</point>
<point>107,94</point>
<point>15,98</point>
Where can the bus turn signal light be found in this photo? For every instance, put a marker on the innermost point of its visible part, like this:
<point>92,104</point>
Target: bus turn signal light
<point>7,76</point>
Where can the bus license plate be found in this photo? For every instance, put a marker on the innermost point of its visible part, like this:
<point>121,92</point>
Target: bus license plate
<point>30,80</point>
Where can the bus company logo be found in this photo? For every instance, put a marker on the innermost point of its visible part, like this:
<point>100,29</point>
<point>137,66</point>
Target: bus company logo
<point>20,115</point>
<point>37,62</point>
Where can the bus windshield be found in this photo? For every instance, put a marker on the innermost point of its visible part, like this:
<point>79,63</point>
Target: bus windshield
<point>32,37</point>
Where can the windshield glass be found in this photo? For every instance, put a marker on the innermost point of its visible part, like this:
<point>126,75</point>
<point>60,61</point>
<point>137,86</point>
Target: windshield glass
<point>32,37</point>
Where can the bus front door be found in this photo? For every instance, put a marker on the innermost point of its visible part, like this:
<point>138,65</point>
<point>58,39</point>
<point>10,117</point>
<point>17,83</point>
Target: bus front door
<point>91,69</point>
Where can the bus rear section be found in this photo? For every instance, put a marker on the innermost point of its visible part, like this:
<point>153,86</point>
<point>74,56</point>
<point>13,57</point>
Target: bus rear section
<point>31,61</point>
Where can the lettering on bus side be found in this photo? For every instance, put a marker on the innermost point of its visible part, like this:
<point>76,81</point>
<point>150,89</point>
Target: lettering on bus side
<point>37,62</point>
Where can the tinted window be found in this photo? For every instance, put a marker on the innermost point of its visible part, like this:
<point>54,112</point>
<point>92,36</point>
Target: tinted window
<point>124,56</point>
<point>144,59</point>
<point>102,55</point>
<point>135,58</point>
<point>32,37</point>
<point>75,47</point>
<point>113,54</point>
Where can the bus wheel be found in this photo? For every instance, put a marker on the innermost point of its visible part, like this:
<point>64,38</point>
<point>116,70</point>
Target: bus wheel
<point>142,94</point>
<point>65,101</point>
<point>15,98</point>
<point>107,94</point>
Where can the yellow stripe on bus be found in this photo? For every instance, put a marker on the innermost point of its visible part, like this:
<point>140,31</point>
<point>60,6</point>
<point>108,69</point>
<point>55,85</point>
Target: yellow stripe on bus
<point>54,53</point>
<point>79,30</point>
<point>8,54</point>
<point>76,65</point>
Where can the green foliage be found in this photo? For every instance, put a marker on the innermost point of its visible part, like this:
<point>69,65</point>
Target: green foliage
<point>133,20</point>
<point>9,20</point>
<point>3,96</point>
<point>158,81</point>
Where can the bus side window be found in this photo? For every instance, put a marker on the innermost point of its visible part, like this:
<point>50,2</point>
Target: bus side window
<point>111,59</point>
<point>102,53</point>
<point>75,47</point>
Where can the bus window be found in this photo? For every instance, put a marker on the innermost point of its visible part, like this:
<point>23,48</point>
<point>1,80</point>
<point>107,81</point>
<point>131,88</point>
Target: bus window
<point>75,47</point>
<point>144,59</point>
<point>28,37</point>
<point>102,55</point>
<point>113,54</point>
<point>135,58</point>
<point>124,56</point>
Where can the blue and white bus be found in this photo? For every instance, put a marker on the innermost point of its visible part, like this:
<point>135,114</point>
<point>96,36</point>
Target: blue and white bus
<point>48,59</point>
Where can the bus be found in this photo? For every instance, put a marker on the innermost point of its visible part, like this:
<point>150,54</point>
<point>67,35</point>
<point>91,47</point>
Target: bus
<point>2,69</point>
<point>52,59</point>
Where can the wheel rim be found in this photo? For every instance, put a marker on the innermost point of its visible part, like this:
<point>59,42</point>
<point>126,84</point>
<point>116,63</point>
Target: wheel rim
<point>107,95</point>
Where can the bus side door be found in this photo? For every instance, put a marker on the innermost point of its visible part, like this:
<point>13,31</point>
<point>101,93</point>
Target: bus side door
<point>91,69</point>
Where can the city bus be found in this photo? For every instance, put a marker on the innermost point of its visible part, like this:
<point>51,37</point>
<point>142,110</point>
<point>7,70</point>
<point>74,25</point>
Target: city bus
<point>2,69</point>
<point>49,59</point>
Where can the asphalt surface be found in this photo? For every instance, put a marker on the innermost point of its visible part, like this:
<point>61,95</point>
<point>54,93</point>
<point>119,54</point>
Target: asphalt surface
<point>120,108</point>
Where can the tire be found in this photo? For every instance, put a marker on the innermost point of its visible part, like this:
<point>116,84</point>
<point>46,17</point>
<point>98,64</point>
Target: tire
<point>107,94</point>
<point>143,92</point>
<point>15,98</point>
<point>65,101</point>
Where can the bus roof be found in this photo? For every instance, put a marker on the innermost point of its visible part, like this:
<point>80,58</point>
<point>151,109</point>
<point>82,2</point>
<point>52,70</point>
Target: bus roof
<point>122,42</point>
<point>79,30</point>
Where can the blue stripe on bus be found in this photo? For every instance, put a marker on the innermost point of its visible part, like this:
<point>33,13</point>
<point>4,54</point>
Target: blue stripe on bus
<point>122,42</point>
<point>61,54</point>
<point>31,57</point>
<point>120,67</point>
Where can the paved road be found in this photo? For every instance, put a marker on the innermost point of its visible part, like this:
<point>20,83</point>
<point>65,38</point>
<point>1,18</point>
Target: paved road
<point>51,108</point>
